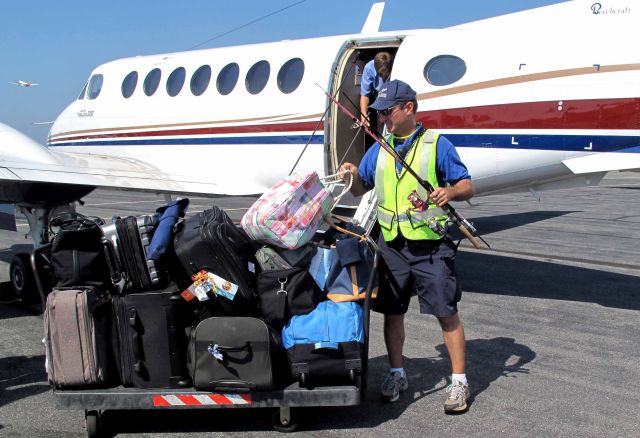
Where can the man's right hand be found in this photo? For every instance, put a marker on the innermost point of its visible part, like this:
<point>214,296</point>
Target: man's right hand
<point>348,167</point>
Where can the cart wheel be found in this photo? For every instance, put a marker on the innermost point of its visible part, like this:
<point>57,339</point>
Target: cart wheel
<point>279,424</point>
<point>303,379</point>
<point>92,422</point>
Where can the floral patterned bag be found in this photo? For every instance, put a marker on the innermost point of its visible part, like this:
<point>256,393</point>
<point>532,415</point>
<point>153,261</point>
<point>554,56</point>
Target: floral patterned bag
<point>289,214</point>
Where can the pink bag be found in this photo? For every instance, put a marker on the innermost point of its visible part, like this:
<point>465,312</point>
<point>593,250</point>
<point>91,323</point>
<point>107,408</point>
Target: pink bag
<point>289,214</point>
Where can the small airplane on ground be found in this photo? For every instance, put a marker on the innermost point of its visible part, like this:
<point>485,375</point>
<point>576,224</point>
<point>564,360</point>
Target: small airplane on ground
<point>24,84</point>
<point>527,108</point>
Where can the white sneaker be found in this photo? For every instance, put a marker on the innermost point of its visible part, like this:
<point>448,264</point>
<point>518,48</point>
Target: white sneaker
<point>457,396</point>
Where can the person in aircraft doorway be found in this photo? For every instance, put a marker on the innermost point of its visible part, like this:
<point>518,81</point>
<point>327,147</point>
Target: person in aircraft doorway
<point>375,73</point>
<point>417,251</point>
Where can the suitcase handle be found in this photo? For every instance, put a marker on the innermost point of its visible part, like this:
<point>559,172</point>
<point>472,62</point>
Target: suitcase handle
<point>115,271</point>
<point>233,385</point>
<point>133,323</point>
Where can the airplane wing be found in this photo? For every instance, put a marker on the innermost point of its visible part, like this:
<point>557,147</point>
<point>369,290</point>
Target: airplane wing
<point>603,162</point>
<point>24,160</point>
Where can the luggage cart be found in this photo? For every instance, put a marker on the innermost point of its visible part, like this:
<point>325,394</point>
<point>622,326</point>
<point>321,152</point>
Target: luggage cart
<point>284,419</point>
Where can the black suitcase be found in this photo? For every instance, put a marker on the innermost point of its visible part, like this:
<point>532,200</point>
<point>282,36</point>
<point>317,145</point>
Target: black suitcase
<point>235,354</point>
<point>317,367</point>
<point>209,241</point>
<point>126,241</point>
<point>149,339</point>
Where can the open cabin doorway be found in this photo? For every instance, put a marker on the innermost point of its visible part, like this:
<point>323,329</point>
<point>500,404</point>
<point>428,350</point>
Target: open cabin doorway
<point>348,142</point>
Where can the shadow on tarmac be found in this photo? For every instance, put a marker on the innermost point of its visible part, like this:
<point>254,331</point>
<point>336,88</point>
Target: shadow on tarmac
<point>21,377</point>
<point>501,222</point>
<point>499,275</point>
<point>13,307</point>
<point>489,359</point>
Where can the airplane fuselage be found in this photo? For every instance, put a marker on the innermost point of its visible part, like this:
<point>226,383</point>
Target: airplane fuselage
<point>540,92</point>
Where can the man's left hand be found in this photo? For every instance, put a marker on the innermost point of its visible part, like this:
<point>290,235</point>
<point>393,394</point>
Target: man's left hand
<point>441,195</point>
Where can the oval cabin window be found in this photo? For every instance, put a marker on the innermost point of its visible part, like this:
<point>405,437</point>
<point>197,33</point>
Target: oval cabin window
<point>257,77</point>
<point>129,84</point>
<point>228,78</point>
<point>152,81</point>
<point>444,70</point>
<point>95,86</point>
<point>175,81</point>
<point>200,80</point>
<point>290,75</point>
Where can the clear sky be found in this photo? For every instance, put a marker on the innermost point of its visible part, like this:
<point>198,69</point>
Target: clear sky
<point>58,44</point>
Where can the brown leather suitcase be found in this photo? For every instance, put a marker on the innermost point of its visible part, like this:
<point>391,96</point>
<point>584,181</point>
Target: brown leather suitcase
<point>76,328</point>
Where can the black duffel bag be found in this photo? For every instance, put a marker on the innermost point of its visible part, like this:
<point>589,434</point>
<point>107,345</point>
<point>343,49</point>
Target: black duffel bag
<point>77,254</point>
<point>287,292</point>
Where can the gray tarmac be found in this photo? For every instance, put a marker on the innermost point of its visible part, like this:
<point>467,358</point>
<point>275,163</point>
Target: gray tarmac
<point>551,312</point>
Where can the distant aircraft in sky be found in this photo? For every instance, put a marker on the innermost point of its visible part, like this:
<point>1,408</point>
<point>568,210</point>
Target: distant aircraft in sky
<point>24,84</point>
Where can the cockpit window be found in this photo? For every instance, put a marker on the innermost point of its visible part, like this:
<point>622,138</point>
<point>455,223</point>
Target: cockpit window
<point>129,84</point>
<point>175,81</point>
<point>200,80</point>
<point>84,90</point>
<point>290,75</point>
<point>95,86</point>
<point>228,78</point>
<point>257,77</point>
<point>444,70</point>
<point>152,81</point>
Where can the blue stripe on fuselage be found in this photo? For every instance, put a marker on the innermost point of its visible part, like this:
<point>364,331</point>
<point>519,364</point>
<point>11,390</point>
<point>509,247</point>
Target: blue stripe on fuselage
<point>595,143</point>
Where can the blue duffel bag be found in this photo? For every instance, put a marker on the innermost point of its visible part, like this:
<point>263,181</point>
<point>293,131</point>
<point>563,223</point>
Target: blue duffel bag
<point>325,346</point>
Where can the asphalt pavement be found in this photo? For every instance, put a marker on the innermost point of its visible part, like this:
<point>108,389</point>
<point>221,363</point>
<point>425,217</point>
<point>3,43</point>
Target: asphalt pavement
<point>551,313</point>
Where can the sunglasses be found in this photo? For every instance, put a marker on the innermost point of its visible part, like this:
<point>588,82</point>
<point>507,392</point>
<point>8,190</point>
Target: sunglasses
<point>388,111</point>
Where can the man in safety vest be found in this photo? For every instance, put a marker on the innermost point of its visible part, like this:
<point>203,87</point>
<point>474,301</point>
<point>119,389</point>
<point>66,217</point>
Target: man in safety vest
<point>418,253</point>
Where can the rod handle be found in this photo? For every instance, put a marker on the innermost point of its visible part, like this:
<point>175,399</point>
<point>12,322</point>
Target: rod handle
<point>475,242</point>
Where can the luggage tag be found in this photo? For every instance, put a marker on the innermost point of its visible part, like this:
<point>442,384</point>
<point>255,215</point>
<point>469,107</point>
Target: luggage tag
<point>222,287</point>
<point>199,289</point>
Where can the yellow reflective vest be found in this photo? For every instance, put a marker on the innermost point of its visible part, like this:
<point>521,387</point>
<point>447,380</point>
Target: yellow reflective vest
<point>395,212</point>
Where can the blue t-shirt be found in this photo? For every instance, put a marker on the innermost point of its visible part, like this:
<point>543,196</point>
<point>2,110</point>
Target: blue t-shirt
<point>370,80</point>
<point>449,167</point>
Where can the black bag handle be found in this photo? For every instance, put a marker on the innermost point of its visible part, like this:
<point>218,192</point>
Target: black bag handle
<point>224,348</point>
<point>72,221</point>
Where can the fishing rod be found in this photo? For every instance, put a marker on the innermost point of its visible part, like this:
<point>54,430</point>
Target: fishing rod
<point>465,227</point>
<point>304,149</point>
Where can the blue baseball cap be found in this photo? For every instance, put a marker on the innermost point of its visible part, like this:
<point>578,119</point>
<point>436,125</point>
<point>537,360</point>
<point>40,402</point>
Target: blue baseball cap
<point>392,92</point>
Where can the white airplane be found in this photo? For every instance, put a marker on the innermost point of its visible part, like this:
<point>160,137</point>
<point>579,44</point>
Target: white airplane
<point>540,99</point>
<point>24,84</point>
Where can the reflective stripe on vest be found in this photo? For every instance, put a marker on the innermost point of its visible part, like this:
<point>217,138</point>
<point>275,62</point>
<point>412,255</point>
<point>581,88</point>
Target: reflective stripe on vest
<point>395,211</point>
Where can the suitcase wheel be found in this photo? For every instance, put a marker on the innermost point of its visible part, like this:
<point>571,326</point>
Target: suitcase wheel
<point>303,379</point>
<point>352,375</point>
<point>92,423</point>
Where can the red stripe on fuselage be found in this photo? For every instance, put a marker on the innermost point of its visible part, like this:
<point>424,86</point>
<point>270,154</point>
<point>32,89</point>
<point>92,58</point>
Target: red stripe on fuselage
<point>274,127</point>
<point>571,114</point>
<point>621,113</point>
